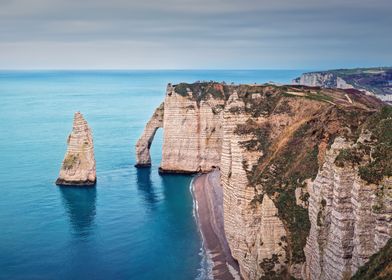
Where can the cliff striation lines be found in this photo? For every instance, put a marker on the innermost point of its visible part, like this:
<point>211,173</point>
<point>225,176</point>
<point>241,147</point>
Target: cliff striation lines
<point>78,167</point>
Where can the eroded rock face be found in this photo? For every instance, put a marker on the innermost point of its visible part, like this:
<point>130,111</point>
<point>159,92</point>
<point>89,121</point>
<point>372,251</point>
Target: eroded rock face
<point>143,158</point>
<point>78,167</point>
<point>192,132</point>
<point>277,160</point>
<point>253,229</point>
<point>289,208</point>
<point>347,223</point>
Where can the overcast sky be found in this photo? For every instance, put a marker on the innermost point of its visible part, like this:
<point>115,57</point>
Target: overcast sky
<point>201,34</point>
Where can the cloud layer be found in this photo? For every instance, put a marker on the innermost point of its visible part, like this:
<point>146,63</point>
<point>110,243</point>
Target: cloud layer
<point>194,33</point>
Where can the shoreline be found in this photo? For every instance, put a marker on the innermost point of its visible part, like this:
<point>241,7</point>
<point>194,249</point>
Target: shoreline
<point>208,200</point>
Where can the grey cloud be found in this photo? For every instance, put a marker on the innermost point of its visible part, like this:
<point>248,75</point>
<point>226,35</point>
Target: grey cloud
<point>218,33</point>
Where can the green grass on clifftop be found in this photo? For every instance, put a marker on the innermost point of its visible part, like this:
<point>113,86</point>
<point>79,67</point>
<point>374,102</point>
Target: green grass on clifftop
<point>202,90</point>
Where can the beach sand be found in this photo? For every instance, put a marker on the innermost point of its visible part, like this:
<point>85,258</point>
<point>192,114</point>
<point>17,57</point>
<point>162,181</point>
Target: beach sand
<point>208,195</point>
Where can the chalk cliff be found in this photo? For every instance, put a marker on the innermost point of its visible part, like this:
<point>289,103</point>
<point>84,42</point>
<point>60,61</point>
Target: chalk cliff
<point>350,218</point>
<point>192,129</point>
<point>306,172</point>
<point>78,167</point>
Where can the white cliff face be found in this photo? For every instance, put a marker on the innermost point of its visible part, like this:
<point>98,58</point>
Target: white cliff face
<point>143,158</point>
<point>78,167</point>
<point>322,79</point>
<point>317,79</point>
<point>192,133</point>
<point>253,230</point>
<point>270,143</point>
<point>347,227</point>
<point>340,83</point>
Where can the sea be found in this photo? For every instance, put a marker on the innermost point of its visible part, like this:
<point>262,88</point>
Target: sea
<point>135,224</point>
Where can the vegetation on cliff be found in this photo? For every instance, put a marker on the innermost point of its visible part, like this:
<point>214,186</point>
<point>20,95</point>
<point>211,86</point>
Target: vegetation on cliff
<point>70,161</point>
<point>291,128</point>
<point>379,266</point>
<point>202,90</point>
<point>373,156</point>
<point>294,152</point>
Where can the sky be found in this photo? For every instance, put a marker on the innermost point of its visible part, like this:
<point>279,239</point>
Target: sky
<point>195,34</point>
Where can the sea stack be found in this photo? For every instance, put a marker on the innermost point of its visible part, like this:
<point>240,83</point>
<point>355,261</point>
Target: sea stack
<point>78,167</point>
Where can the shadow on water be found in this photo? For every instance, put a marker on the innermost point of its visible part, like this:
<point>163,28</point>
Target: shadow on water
<point>79,203</point>
<point>145,185</point>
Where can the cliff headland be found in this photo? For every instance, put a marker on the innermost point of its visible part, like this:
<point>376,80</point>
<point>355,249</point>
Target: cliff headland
<point>305,172</point>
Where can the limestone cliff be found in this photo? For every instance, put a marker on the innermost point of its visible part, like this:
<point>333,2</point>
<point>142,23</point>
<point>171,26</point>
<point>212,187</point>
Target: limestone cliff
<point>306,173</point>
<point>350,218</point>
<point>78,167</point>
<point>280,146</point>
<point>192,129</point>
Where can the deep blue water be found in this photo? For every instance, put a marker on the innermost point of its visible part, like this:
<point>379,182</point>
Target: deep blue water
<point>135,224</point>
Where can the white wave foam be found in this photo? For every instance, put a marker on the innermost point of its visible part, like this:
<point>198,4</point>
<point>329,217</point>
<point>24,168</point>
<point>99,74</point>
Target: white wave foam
<point>206,263</point>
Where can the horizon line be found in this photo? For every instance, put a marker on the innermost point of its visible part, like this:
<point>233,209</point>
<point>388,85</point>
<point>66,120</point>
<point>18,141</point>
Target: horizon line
<point>191,69</point>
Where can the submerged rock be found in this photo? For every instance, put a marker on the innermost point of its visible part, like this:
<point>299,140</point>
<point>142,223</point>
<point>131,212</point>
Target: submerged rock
<point>78,167</point>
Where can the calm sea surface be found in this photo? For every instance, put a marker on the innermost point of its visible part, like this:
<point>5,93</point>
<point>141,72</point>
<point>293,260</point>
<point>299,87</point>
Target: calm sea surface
<point>135,224</point>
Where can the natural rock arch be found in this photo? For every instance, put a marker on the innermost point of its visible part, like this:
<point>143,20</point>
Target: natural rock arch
<point>143,145</point>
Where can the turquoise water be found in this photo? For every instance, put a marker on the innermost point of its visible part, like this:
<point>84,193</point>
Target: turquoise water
<point>135,224</point>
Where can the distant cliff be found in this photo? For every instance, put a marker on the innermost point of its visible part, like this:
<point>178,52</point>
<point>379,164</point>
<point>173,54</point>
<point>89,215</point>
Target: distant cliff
<point>376,81</point>
<point>306,172</point>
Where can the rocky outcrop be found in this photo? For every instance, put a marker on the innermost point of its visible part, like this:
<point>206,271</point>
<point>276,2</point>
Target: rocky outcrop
<point>78,167</point>
<point>143,145</point>
<point>305,172</point>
